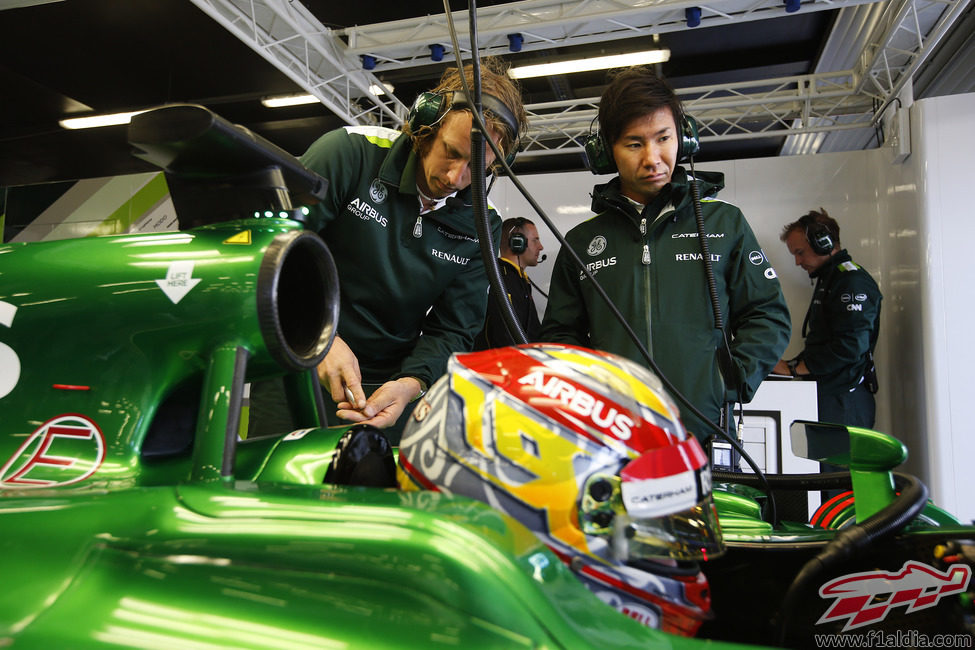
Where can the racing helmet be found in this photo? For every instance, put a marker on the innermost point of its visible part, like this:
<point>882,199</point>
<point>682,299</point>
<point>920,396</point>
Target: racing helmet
<point>586,449</point>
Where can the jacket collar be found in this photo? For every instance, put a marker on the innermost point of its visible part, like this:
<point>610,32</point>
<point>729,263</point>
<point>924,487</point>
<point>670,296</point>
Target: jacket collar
<point>517,268</point>
<point>677,193</point>
<point>401,156</point>
<point>834,260</point>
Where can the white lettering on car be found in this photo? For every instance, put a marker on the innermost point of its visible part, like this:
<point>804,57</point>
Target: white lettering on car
<point>64,450</point>
<point>9,361</point>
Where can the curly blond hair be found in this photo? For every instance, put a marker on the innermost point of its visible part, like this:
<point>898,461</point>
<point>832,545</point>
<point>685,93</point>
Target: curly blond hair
<point>494,82</point>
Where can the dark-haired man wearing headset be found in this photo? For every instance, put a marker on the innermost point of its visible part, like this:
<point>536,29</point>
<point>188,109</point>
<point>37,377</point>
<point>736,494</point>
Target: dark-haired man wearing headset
<point>399,221</point>
<point>841,326</point>
<point>643,249</point>
<point>520,248</point>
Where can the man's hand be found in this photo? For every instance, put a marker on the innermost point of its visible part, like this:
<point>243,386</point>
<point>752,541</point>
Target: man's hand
<point>782,368</point>
<point>385,405</point>
<point>338,371</point>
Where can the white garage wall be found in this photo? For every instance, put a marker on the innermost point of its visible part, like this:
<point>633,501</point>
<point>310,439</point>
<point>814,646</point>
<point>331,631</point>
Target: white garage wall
<point>944,130</point>
<point>906,223</point>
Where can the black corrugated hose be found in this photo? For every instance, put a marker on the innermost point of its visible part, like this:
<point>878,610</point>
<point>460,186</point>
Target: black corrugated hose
<point>851,541</point>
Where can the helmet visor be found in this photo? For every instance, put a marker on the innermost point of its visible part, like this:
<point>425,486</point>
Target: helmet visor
<point>666,497</point>
<point>693,534</point>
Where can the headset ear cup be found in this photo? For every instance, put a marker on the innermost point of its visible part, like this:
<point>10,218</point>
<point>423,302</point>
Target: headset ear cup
<point>690,143</point>
<point>518,243</point>
<point>598,155</point>
<point>425,110</point>
<point>819,239</point>
<point>818,235</point>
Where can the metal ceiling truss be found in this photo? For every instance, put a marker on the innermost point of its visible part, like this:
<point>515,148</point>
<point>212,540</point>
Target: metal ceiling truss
<point>909,31</point>
<point>544,24</point>
<point>289,36</point>
<point>832,102</point>
<point>329,64</point>
<point>763,108</point>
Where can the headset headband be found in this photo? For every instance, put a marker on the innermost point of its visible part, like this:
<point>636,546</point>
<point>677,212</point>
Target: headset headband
<point>490,103</point>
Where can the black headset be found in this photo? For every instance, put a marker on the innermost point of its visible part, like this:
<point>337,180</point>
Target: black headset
<point>431,107</point>
<point>818,235</point>
<point>599,154</point>
<point>517,242</point>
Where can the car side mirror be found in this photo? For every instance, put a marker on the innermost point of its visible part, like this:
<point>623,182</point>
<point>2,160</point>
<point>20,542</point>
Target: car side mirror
<point>853,447</point>
<point>870,455</point>
<point>820,441</point>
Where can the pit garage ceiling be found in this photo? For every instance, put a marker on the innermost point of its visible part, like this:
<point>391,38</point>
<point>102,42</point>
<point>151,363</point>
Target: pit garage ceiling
<point>761,77</point>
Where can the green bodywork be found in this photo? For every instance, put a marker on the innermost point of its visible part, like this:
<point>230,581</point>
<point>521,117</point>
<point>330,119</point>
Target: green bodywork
<point>136,512</point>
<point>871,457</point>
<point>132,514</point>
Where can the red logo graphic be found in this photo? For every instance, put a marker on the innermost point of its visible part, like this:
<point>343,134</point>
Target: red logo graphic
<point>859,596</point>
<point>66,449</point>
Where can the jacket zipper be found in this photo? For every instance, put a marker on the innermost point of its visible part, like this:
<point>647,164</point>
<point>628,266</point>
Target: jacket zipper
<point>646,281</point>
<point>646,246</point>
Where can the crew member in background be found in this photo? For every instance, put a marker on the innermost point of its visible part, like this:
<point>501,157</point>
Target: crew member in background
<point>399,221</point>
<point>841,325</point>
<point>643,249</point>
<point>520,248</point>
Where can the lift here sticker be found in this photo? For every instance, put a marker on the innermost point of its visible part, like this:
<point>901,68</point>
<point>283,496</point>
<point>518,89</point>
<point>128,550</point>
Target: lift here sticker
<point>64,450</point>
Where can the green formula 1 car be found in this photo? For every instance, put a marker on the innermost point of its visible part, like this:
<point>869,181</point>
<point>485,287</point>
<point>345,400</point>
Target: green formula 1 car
<point>132,514</point>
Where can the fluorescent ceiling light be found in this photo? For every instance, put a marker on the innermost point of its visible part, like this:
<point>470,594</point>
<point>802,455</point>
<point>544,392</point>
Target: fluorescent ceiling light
<point>93,121</point>
<point>595,63</point>
<point>288,100</point>
<point>281,101</point>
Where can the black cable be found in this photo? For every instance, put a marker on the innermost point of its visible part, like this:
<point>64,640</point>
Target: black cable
<point>726,365</point>
<point>481,221</point>
<point>537,288</point>
<point>636,339</point>
<point>482,225</point>
<point>849,542</point>
<point>705,249</point>
<point>807,482</point>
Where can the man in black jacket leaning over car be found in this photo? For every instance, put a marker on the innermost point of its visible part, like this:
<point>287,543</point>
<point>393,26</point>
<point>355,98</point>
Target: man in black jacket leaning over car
<point>643,249</point>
